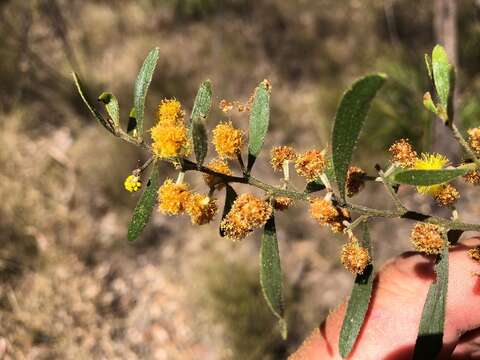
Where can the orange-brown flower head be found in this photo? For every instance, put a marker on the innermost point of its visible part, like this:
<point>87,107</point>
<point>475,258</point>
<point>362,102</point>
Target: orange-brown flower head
<point>354,257</point>
<point>170,113</point>
<point>227,140</point>
<point>280,154</point>
<point>248,212</point>
<point>201,208</point>
<point>427,238</point>
<point>355,181</point>
<point>170,141</point>
<point>403,153</point>
<point>310,164</point>
<point>219,166</point>
<point>474,139</point>
<point>282,203</point>
<point>326,214</point>
<point>474,254</point>
<point>472,177</point>
<point>447,195</point>
<point>172,198</point>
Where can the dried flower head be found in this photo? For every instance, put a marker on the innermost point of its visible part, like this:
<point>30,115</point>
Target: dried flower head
<point>472,177</point>
<point>474,254</point>
<point>355,181</point>
<point>474,139</point>
<point>280,154</point>
<point>326,214</point>
<point>170,113</point>
<point>219,166</point>
<point>282,203</point>
<point>132,183</point>
<point>172,198</point>
<point>310,164</point>
<point>447,195</point>
<point>403,153</point>
<point>201,208</point>
<point>427,238</point>
<point>248,212</point>
<point>227,140</point>
<point>225,105</point>
<point>430,162</point>
<point>169,141</point>
<point>354,257</point>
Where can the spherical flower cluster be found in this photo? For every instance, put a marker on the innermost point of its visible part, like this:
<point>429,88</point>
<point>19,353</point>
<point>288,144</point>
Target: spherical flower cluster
<point>354,257</point>
<point>280,154</point>
<point>227,140</point>
<point>427,238</point>
<point>170,113</point>
<point>219,166</point>
<point>430,162</point>
<point>248,212</point>
<point>474,139</point>
<point>169,135</point>
<point>173,198</point>
<point>201,208</point>
<point>472,177</point>
<point>310,164</point>
<point>447,195</point>
<point>326,214</point>
<point>403,153</point>
<point>132,183</point>
<point>282,203</point>
<point>355,181</point>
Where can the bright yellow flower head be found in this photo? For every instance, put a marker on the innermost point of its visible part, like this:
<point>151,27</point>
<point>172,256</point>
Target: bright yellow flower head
<point>227,140</point>
<point>247,213</point>
<point>170,112</point>
<point>132,183</point>
<point>170,141</point>
<point>173,198</point>
<point>430,162</point>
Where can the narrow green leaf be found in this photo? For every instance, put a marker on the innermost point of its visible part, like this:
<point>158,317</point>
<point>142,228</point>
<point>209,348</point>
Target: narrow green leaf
<point>230,197</point>
<point>132,122</point>
<point>270,271</point>
<point>203,101</point>
<point>428,64</point>
<point>350,117</point>
<point>145,205</point>
<point>97,116</point>
<point>314,186</point>
<point>428,103</point>
<point>357,304</point>
<point>111,104</point>
<point>427,177</point>
<point>259,119</point>
<point>430,333</point>
<point>142,83</point>
<point>441,69</point>
<point>200,139</point>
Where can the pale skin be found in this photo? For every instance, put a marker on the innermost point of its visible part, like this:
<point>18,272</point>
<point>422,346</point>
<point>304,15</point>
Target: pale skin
<point>394,314</point>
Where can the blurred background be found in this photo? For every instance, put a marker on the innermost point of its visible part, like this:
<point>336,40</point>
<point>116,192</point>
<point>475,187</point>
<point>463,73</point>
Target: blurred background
<point>72,287</point>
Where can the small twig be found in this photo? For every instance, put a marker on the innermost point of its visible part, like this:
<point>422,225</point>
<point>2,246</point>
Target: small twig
<point>456,133</point>
<point>146,164</point>
<point>393,195</point>
<point>241,163</point>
